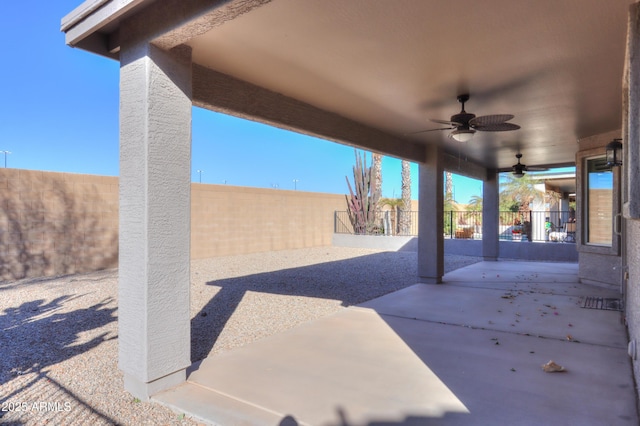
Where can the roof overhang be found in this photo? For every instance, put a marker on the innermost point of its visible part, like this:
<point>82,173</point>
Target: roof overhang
<point>390,66</point>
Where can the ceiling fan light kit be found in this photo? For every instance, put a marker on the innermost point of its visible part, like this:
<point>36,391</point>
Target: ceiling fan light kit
<point>462,135</point>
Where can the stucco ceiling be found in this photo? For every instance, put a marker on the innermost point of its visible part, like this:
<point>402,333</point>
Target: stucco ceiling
<point>555,64</point>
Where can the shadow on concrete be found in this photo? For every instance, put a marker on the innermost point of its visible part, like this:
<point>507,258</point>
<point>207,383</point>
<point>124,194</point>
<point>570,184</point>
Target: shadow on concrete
<point>446,418</point>
<point>47,231</point>
<point>350,281</point>
<point>407,421</point>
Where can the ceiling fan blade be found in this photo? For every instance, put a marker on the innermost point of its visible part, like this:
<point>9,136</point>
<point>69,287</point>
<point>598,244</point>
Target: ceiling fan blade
<point>486,120</point>
<point>429,130</point>
<point>497,127</point>
<point>453,124</point>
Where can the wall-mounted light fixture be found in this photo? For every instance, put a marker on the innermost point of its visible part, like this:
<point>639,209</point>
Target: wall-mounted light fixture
<point>614,153</point>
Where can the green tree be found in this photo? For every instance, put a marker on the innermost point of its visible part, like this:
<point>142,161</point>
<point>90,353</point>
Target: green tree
<point>451,212</point>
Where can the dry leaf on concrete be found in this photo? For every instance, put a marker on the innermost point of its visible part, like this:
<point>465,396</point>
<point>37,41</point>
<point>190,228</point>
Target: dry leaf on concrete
<point>552,367</point>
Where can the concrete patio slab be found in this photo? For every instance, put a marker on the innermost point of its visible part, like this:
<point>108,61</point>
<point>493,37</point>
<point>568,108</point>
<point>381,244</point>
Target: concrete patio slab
<point>509,272</point>
<point>522,312</point>
<point>430,355</point>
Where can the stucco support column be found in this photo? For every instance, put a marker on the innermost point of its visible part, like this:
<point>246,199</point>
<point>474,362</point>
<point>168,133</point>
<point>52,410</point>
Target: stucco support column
<point>430,219</point>
<point>490,216</point>
<point>155,202</point>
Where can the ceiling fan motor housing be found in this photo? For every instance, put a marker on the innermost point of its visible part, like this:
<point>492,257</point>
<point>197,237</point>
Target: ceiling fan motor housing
<point>519,168</point>
<point>463,118</point>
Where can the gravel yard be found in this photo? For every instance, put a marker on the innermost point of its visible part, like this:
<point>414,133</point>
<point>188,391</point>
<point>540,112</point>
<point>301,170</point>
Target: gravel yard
<point>58,346</point>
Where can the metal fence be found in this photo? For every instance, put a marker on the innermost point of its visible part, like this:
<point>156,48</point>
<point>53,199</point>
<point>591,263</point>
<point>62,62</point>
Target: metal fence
<point>388,222</point>
<point>463,225</point>
<point>342,223</point>
<point>555,226</point>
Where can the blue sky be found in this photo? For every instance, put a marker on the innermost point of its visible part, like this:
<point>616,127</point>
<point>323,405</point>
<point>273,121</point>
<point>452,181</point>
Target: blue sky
<point>59,112</point>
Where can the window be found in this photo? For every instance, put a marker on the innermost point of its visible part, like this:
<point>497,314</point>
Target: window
<point>599,212</point>
<point>598,204</point>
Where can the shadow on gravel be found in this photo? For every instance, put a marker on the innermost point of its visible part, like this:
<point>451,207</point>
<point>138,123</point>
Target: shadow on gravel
<point>351,281</point>
<point>40,399</point>
<point>50,336</point>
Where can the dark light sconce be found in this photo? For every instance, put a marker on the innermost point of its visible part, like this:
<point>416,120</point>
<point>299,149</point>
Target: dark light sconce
<point>614,153</point>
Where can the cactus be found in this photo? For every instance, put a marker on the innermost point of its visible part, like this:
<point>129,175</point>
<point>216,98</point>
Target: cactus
<point>363,201</point>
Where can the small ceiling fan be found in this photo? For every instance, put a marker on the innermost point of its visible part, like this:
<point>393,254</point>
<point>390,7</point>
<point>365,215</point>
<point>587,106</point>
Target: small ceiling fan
<point>519,168</point>
<point>464,124</point>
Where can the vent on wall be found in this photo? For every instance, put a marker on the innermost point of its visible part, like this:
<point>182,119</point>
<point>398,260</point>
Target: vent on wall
<point>602,303</point>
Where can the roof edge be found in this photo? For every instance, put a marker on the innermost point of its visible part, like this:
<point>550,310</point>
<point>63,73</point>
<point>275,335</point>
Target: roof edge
<point>80,12</point>
<point>85,23</point>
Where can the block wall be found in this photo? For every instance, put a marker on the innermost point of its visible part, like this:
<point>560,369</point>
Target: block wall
<point>228,220</point>
<point>56,223</point>
<point>63,223</point>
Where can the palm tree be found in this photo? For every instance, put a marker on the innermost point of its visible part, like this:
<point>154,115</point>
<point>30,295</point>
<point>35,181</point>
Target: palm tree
<point>474,215</point>
<point>475,203</point>
<point>376,160</point>
<point>376,171</point>
<point>404,221</point>
<point>519,194</point>
<point>520,191</point>
<point>448,185</point>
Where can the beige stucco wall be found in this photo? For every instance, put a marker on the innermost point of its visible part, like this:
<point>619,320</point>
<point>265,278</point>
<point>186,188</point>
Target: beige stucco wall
<point>632,287</point>
<point>62,223</point>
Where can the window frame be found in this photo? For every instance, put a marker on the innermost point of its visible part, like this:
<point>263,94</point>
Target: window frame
<point>582,212</point>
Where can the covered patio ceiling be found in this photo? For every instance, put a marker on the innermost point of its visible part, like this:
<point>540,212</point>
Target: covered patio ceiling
<point>556,65</point>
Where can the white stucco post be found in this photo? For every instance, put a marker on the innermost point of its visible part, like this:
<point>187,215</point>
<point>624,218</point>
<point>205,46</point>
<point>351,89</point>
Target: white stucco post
<point>154,256</point>
<point>430,219</point>
<point>490,216</point>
